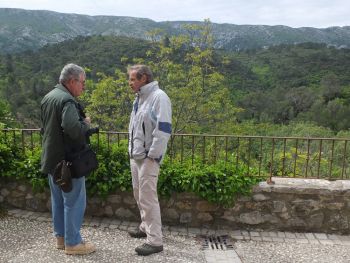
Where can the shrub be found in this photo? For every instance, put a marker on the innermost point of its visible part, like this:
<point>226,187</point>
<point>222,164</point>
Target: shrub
<point>213,182</point>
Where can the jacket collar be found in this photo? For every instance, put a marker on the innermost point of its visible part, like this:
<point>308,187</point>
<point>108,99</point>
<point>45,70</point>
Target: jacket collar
<point>148,88</point>
<point>64,89</point>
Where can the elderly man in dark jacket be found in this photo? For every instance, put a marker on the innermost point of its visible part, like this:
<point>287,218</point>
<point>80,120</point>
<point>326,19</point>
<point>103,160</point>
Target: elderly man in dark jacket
<point>64,130</point>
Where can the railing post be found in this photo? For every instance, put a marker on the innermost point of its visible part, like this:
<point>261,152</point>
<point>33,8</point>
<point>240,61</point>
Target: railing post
<point>203,151</point>
<point>249,147</point>
<point>331,161</point>
<point>226,149</point>
<point>23,142</point>
<point>295,157</point>
<point>344,158</point>
<point>284,155</point>
<point>182,148</point>
<point>192,149</point>
<point>307,157</point>
<point>319,160</point>
<point>269,180</point>
<point>260,155</point>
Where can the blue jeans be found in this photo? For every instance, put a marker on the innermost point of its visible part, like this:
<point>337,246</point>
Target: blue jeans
<point>68,210</point>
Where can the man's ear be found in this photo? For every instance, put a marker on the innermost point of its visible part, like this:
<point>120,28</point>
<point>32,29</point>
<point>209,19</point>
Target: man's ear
<point>144,78</point>
<point>70,82</point>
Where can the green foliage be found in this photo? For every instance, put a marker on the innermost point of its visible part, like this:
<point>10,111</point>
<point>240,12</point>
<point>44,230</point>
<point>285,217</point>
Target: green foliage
<point>211,90</point>
<point>6,118</point>
<point>213,182</point>
<point>10,158</point>
<point>185,68</point>
<point>217,183</point>
<point>110,102</point>
<point>27,77</point>
<point>113,171</point>
<point>220,185</point>
<point>30,170</point>
<point>14,163</point>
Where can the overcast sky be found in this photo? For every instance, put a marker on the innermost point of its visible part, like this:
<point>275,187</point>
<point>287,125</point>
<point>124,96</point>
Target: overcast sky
<point>294,13</point>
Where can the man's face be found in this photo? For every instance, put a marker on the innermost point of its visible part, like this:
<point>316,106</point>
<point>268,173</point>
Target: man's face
<point>77,86</point>
<point>134,83</point>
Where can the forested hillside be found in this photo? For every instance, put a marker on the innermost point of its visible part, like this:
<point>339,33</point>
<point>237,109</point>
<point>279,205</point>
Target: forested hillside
<point>308,82</point>
<point>211,90</point>
<point>26,77</point>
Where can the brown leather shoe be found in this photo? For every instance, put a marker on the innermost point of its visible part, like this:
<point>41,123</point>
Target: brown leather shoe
<point>60,242</point>
<point>80,249</point>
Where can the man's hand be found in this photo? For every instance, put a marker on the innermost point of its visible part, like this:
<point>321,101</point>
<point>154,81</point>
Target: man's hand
<point>87,120</point>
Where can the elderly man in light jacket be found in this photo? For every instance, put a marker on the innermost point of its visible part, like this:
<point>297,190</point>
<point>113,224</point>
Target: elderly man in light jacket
<point>149,132</point>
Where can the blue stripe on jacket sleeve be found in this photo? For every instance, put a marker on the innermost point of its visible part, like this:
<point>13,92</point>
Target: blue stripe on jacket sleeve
<point>165,127</point>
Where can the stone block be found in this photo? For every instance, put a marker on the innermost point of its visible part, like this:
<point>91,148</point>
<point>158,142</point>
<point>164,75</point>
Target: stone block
<point>129,200</point>
<point>296,222</point>
<point>5,192</point>
<point>204,206</point>
<point>114,199</point>
<point>17,194</point>
<point>94,200</point>
<point>279,207</point>
<point>124,213</point>
<point>170,214</point>
<point>260,197</point>
<point>22,188</point>
<point>204,217</point>
<point>29,196</point>
<point>34,204</point>
<point>17,202</point>
<point>186,218</point>
<point>304,208</point>
<point>315,220</point>
<point>229,216</point>
<point>252,218</point>
<point>184,205</point>
<point>41,196</point>
<point>109,211</point>
<point>334,206</point>
<point>338,221</point>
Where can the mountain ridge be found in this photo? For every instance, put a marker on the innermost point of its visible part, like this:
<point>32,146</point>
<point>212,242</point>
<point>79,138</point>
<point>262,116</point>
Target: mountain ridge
<point>22,30</point>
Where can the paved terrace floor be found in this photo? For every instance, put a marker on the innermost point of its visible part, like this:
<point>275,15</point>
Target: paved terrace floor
<point>27,237</point>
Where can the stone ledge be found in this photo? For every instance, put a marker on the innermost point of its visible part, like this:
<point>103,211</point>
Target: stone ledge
<point>307,205</point>
<point>308,183</point>
<point>310,186</point>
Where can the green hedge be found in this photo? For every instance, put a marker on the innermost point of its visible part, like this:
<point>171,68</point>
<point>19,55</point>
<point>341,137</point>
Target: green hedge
<point>213,182</point>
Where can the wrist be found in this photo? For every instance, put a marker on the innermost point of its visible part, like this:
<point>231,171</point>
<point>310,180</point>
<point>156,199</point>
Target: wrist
<point>152,159</point>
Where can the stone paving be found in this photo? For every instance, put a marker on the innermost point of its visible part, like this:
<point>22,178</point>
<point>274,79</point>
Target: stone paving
<point>242,240</point>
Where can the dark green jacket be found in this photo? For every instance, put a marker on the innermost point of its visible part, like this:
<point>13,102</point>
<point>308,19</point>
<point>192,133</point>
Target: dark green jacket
<point>64,128</point>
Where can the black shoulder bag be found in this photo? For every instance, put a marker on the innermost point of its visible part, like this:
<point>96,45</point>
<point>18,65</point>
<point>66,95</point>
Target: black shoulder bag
<point>83,162</point>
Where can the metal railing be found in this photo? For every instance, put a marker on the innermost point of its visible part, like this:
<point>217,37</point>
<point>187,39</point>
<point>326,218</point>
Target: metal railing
<point>266,156</point>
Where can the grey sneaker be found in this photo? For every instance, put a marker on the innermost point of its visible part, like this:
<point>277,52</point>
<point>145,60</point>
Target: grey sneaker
<point>147,249</point>
<point>137,233</point>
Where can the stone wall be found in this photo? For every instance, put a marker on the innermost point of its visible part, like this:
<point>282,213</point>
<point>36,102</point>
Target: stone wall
<point>288,205</point>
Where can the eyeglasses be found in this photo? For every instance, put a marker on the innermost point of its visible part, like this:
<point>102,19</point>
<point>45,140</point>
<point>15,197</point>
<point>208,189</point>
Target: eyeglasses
<point>82,82</point>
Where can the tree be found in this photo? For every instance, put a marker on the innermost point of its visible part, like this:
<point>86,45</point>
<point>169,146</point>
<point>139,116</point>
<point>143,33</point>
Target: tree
<point>109,102</point>
<point>184,67</point>
<point>6,118</point>
<point>330,87</point>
